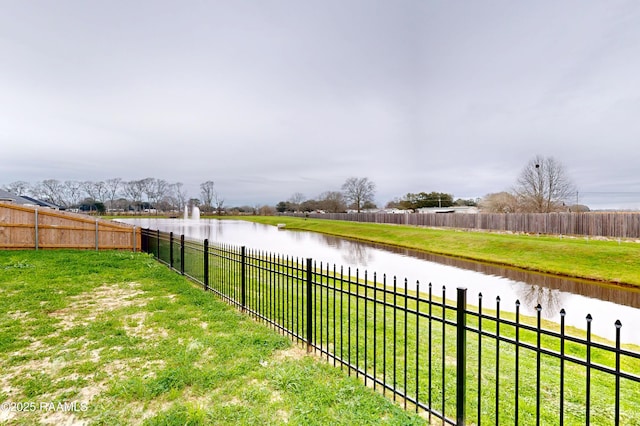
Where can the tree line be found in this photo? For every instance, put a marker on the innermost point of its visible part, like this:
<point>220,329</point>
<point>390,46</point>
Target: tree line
<point>542,186</point>
<point>357,194</point>
<point>117,194</point>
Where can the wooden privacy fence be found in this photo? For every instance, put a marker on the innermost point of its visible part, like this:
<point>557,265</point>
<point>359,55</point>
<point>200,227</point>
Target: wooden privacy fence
<point>610,224</point>
<point>23,227</point>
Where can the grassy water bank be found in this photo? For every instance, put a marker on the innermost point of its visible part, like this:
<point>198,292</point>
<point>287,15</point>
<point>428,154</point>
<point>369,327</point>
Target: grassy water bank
<point>121,339</point>
<point>616,262</point>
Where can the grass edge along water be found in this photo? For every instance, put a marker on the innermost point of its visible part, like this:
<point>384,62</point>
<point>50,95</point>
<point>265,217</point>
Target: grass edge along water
<point>601,260</point>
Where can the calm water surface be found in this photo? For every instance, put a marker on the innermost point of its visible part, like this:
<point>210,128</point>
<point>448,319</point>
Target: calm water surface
<point>606,304</point>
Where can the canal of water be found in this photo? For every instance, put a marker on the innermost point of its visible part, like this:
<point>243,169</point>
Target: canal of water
<point>605,303</point>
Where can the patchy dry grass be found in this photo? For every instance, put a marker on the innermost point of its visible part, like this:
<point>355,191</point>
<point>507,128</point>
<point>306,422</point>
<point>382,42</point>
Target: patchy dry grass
<point>115,338</point>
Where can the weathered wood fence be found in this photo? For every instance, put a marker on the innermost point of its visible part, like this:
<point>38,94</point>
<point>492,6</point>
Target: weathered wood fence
<point>23,227</point>
<point>609,224</point>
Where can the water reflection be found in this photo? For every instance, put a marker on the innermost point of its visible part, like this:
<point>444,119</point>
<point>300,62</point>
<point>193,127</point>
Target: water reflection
<point>353,252</point>
<point>535,292</point>
<point>578,297</point>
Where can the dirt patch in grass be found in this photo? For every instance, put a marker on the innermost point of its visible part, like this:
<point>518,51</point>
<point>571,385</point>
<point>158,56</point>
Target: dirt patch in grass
<point>292,353</point>
<point>51,362</point>
<point>17,315</point>
<point>135,326</point>
<point>86,307</point>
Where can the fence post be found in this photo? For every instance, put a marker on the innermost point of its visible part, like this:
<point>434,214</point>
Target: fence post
<point>206,264</point>
<point>97,233</point>
<point>135,238</point>
<point>243,276</point>
<point>182,254</point>
<point>171,249</point>
<point>37,237</point>
<point>461,356</point>
<point>617,408</point>
<point>158,243</point>
<point>309,272</point>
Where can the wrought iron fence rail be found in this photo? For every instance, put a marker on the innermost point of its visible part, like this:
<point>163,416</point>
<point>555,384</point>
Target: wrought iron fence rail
<point>562,339</point>
<point>383,303</point>
<point>563,357</point>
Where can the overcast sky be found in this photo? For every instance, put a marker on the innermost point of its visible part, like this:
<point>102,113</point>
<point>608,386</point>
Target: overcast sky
<point>267,98</point>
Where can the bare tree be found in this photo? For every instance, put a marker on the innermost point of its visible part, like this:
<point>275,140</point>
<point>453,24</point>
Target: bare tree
<point>113,186</point>
<point>73,192</point>
<point>36,191</point>
<point>218,202</point>
<point>148,188</point>
<point>96,192</point>
<point>101,190</point>
<point>332,202</point>
<point>89,189</point>
<point>19,187</point>
<point>500,202</point>
<point>296,200</point>
<point>207,191</point>
<point>178,194</point>
<point>358,191</point>
<point>265,211</point>
<point>133,190</point>
<point>543,186</point>
<point>160,190</point>
<point>52,190</point>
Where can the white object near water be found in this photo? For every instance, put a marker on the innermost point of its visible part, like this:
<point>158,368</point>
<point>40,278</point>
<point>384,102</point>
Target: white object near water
<point>195,213</point>
<point>282,225</point>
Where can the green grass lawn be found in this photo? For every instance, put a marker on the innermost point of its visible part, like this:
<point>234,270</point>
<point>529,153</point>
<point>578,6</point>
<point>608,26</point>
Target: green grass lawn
<point>588,258</point>
<point>117,338</point>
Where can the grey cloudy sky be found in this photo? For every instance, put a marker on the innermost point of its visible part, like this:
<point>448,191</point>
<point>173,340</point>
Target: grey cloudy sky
<point>272,97</point>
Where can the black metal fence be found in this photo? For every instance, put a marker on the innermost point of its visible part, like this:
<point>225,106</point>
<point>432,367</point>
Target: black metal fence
<point>455,363</point>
